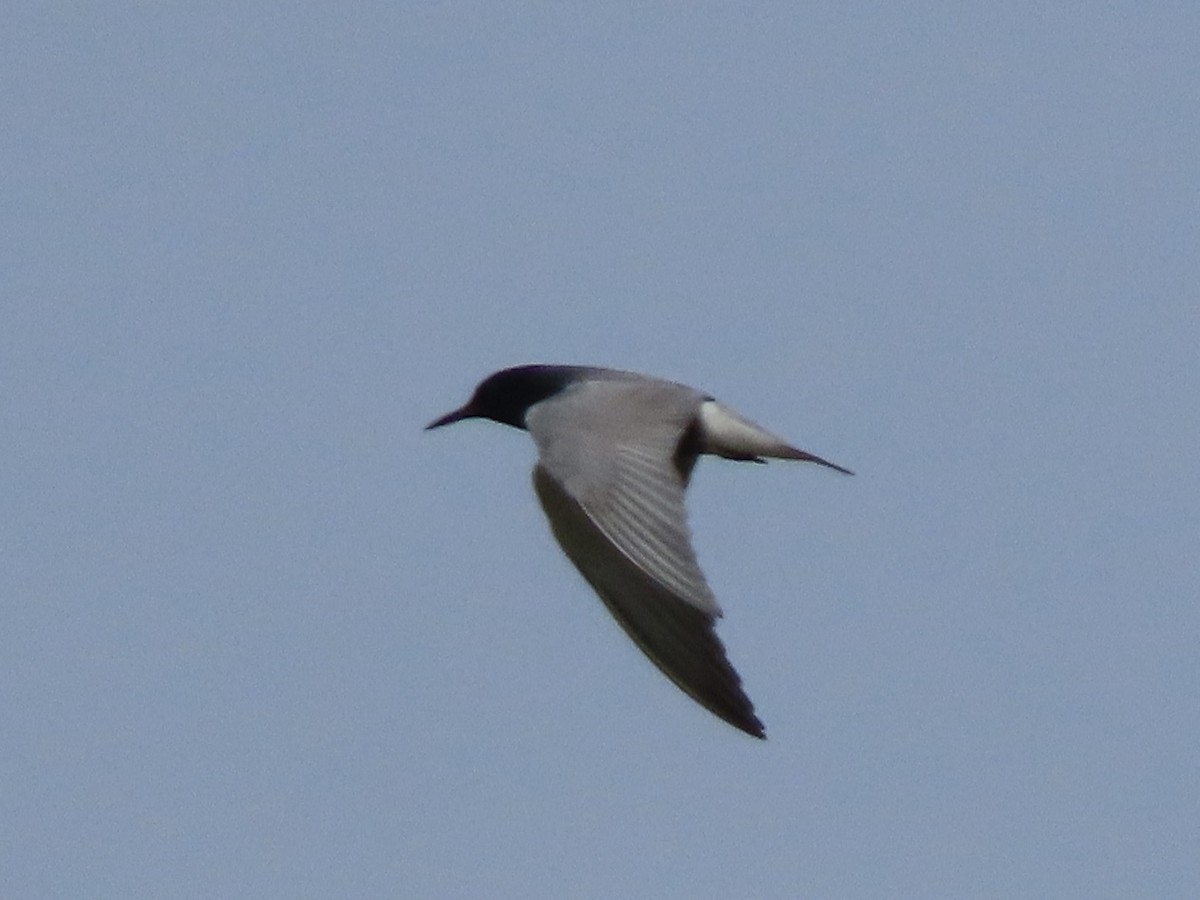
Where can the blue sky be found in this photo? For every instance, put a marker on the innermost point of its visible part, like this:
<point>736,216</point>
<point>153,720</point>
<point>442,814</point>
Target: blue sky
<point>266,638</point>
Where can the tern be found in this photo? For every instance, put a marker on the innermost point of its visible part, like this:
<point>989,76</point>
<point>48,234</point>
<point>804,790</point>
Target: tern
<point>616,451</point>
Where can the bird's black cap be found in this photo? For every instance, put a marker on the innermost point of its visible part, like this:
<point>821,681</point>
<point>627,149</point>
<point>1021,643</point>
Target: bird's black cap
<point>506,396</point>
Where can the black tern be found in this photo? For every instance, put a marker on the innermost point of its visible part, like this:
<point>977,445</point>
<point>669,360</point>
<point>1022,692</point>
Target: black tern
<point>615,454</point>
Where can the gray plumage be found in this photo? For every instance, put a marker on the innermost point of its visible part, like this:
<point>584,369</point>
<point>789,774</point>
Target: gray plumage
<point>615,453</point>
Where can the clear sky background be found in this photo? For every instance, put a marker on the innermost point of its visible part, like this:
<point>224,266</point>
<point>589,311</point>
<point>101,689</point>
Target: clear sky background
<point>263,637</point>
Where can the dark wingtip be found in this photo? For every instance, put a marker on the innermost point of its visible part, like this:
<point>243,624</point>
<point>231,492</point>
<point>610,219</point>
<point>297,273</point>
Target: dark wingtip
<point>743,719</point>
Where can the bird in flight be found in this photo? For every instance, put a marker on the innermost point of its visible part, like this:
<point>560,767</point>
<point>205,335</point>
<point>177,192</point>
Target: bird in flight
<point>615,453</point>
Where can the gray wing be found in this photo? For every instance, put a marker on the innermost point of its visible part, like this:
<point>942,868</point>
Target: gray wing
<point>611,446</point>
<point>615,500</point>
<point>677,636</point>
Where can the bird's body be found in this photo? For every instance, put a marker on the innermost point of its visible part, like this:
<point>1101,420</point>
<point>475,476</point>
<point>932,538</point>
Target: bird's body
<point>615,453</point>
